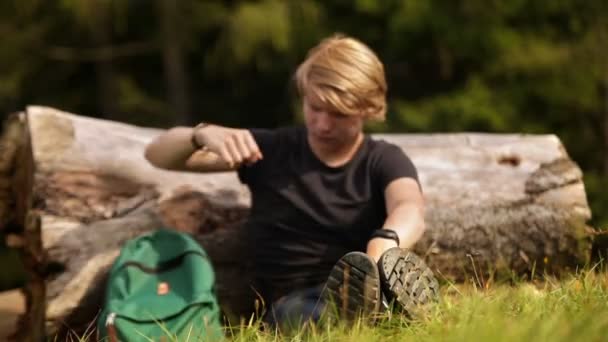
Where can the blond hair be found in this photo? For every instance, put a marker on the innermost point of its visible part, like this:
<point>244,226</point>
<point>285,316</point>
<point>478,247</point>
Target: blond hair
<point>346,75</point>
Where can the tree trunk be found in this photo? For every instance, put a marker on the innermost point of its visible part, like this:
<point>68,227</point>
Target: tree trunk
<point>101,32</point>
<point>175,71</point>
<point>496,204</point>
<point>11,142</point>
<point>605,110</point>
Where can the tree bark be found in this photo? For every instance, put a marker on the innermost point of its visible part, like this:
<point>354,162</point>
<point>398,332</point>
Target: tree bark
<point>11,142</point>
<point>496,204</point>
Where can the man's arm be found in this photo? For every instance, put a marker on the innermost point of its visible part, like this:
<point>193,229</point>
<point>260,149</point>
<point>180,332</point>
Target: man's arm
<point>224,149</point>
<point>405,215</point>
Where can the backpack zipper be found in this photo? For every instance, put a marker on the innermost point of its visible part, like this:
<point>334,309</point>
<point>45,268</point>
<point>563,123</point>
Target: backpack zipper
<point>110,327</point>
<point>162,266</point>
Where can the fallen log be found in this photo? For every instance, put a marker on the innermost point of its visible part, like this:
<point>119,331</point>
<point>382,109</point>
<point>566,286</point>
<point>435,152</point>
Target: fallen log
<point>81,187</point>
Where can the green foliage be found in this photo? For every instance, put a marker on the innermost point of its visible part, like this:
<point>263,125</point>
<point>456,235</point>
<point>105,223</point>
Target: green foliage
<point>473,108</point>
<point>596,186</point>
<point>13,275</point>
<point>252,27</point>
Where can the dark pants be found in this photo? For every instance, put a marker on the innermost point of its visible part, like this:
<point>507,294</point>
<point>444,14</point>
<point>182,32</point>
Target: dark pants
<point>296,308</point>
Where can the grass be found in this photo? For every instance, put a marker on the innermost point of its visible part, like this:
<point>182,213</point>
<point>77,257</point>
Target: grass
<point>574,308</point>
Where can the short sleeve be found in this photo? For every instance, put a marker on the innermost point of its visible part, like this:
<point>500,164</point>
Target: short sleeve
<point>265,139</point>
<point>391,164</point>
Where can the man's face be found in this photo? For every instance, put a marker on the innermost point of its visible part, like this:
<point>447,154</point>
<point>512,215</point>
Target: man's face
<point>330,129</point>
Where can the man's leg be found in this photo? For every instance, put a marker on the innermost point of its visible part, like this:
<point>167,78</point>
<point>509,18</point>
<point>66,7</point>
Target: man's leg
<point>357,284</point>
<point>353,287</point>
<point>296,309</point>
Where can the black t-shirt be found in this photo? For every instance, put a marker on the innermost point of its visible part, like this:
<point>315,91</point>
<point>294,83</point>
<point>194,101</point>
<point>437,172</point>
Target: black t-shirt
<point>305,215</point>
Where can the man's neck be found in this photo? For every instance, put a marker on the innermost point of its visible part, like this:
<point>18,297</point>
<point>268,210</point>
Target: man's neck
<point>336,156</point>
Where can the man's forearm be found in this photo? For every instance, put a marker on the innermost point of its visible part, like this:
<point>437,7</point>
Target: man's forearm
<point>407,221</point>
<point>171,149</point>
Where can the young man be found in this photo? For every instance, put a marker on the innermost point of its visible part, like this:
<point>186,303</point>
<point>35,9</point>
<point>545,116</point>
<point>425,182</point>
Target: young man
<point>333,211</point>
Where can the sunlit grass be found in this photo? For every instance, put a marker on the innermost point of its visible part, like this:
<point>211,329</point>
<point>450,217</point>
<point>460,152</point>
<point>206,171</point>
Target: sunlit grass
<point>574,308</point>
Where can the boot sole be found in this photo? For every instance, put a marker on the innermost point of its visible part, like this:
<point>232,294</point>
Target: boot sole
<point>407,280</point>
<point>353,287</point>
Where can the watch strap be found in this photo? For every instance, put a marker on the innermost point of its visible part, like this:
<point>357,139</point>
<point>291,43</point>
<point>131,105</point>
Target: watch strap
<point>385,234</point>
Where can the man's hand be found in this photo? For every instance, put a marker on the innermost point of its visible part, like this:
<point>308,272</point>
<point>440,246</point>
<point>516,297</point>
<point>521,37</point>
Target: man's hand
<point>234,146</point>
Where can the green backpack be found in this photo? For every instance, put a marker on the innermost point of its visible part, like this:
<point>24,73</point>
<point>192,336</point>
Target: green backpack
<point>161,287</point>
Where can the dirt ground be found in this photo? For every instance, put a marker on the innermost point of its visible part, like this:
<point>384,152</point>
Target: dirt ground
<point>11,305</point>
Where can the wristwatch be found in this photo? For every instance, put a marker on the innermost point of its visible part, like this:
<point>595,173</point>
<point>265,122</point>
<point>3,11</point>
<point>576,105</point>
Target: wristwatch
<point>385,234</point>
<point>195,143</point>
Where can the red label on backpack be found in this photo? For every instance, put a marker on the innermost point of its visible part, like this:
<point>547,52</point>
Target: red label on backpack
<point>162,289</point>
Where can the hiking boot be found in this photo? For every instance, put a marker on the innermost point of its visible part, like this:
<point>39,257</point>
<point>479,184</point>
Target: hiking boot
<point>353,287</point>
<point>407,280</point>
